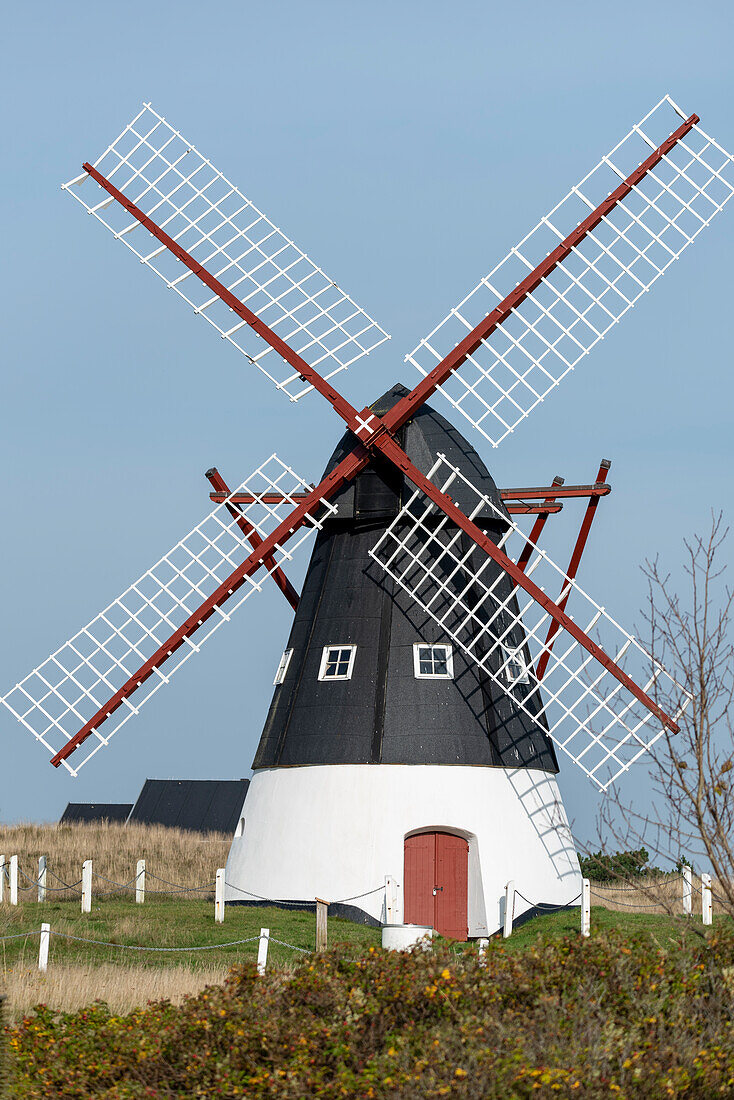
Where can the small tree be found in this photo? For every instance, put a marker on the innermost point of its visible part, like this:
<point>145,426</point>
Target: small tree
<point>691,814</point>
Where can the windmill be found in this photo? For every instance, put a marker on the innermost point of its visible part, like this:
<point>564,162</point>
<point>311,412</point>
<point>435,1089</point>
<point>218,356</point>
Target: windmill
<point>430,677</point>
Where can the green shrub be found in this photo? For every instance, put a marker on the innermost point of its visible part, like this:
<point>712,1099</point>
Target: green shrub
<point>617,866</point>
<point>576,1017</point>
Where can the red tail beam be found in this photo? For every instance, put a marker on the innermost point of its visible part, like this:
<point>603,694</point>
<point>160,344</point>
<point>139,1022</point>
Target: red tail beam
<point>220,486</point>
<point>557,491</point>
<point>573,566</point>
<point>510,495</point>
<point>310,506</point>
<point>392,451</point>
<point>520,509</point>
<point>538,526</point>
<point>401,412</point>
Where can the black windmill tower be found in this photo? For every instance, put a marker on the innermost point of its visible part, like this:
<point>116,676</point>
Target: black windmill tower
<point>382,713</point>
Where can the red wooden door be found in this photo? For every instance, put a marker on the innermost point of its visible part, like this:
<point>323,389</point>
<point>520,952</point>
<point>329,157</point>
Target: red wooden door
<point>420,861</point>
<point>435,882</point>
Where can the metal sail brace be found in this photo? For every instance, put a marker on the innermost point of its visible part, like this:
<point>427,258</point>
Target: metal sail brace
<point>604,723</point>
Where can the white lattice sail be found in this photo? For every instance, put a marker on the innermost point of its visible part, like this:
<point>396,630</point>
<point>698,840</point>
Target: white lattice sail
<point>60,696</point>
<point>527,356</point>
<point>167,178</point>
<point>585,709</point>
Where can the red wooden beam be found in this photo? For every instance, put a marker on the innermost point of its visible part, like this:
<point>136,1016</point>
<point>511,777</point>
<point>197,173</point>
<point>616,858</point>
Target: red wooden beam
<point>391,450</point>
<point>306,372</point>
<point>520,509</point>
<point>538,526</point>
<point>506,494</point>
<point>404,409</point>
<point>557,490</point>
<point>573,567</point>
<point>310,506</point>
<point>285,586</point>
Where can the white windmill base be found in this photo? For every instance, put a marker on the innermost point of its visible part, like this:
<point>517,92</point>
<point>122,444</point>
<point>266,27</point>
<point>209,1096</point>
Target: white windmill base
<point>336,831</point>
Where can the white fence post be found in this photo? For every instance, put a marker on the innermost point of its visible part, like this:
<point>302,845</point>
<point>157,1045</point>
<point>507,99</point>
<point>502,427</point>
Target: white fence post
<point>483,945</point>
<point>140,882</point>
<point>3,873</point>
<point>585,907</point>
<point>262,950</point>
<point>219,896</point>
<point>13,880</point>
<point>390,899</point>
<point>43,947</point>
<point>687,890</point>
<point>41,878</point>
<point>509,909</point>
<point>87,886</point>
<point>707,909</point>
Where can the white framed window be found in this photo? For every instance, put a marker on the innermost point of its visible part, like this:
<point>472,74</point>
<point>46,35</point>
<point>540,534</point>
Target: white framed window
<point>433,662</point>
<point>285,660</point>
<point>337,662</point>
<point>513,669</point>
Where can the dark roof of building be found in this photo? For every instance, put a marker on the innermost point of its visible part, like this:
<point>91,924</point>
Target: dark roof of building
<point>95,811</point>
<point>202,805</point>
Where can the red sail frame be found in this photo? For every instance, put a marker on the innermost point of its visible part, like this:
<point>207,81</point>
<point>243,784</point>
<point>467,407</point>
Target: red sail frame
<point>220,486</point>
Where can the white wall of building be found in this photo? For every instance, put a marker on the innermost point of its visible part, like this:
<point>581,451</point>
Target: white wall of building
<point>336,831</point>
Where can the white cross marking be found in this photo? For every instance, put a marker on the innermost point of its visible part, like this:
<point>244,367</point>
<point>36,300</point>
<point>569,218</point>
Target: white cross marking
<point>364,425</point>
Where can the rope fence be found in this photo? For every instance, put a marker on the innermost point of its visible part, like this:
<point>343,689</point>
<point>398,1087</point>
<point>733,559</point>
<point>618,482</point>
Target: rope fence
<point>278,901</point>
<point>15,880</point>
<point>45,933</point>
<point>168,950</point>
<point>12,874</point>
<point>647,905</point>
<point>606,894</point>
<point>635,889</point>
<point>544,905</point>
<point>259,897</point>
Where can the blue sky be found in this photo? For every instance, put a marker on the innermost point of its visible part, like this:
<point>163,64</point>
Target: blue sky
<point>406,147</point>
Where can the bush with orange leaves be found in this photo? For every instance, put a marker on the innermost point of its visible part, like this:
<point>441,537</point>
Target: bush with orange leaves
<point>610,1015</point>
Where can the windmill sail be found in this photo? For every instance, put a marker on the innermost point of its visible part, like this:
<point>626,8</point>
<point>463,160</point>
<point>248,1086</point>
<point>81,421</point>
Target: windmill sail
<point>174,185</point>
<point>586,711</point>
<point>539,340</point>
<point>67,690</point>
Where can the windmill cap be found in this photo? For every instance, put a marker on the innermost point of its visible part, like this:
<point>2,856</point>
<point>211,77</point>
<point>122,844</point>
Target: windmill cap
<point>426,435</point>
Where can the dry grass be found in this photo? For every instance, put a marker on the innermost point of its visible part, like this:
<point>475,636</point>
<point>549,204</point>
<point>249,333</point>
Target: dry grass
<point>178,856</point>
<point>653,894</point>
<point>69,986</point>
